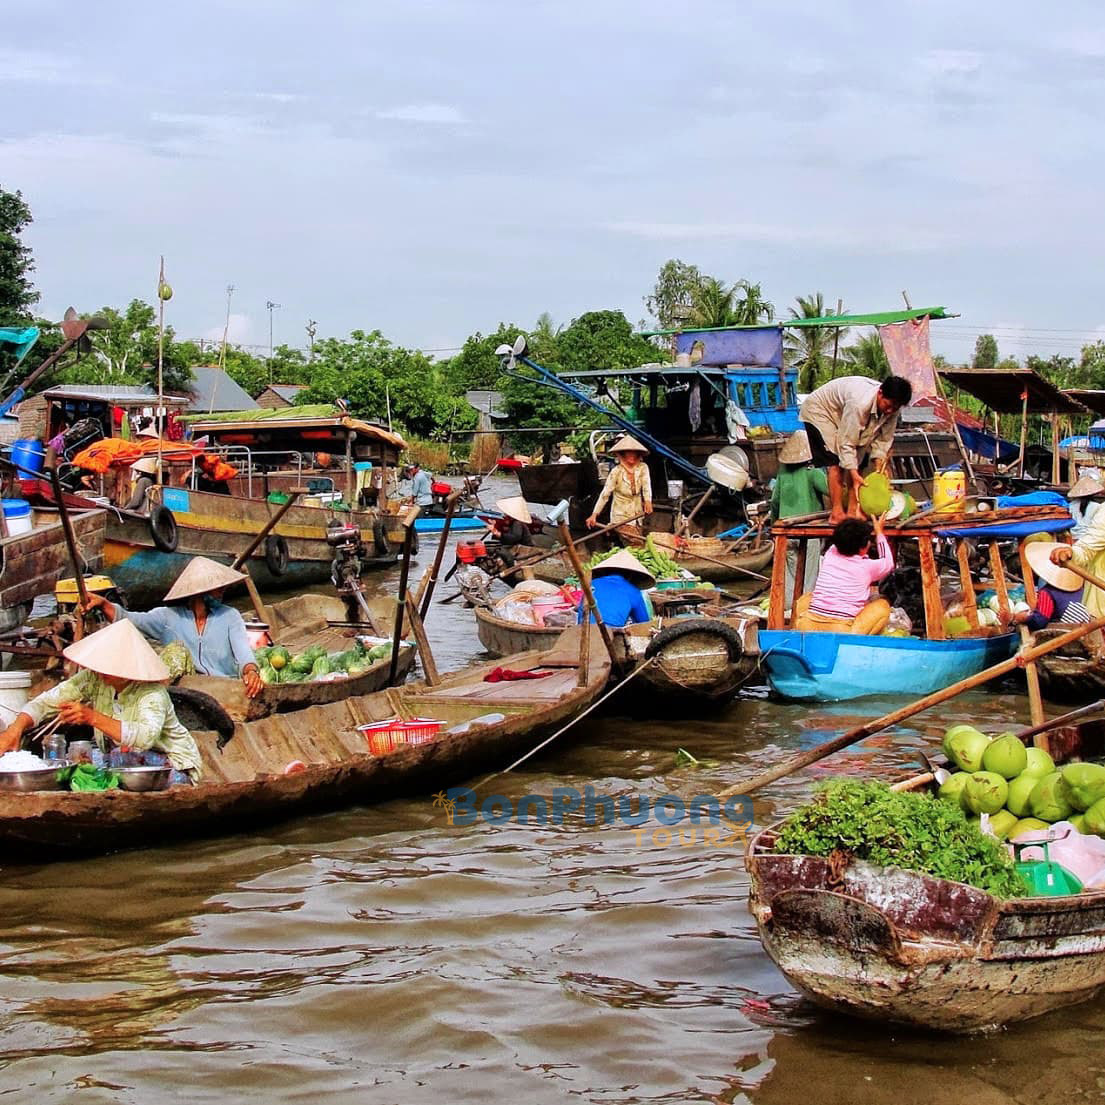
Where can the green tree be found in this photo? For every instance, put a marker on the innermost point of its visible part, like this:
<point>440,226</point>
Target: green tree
<point>866,357</point>
<point>602,339</point>
<point>712,304</point>
<point>749,306</point>
<point>672,297</point>
<point>810,348</point>
<point>476,365</point>
<point>986,352</point>
<point>17,293</point>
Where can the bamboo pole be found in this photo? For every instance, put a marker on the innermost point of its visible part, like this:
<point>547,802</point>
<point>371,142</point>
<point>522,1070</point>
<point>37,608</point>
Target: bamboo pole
<point>404,576</point>
<point>859,732</point>
<point>588,594</point>
<point>431,582</point>
<point>1024,431</point>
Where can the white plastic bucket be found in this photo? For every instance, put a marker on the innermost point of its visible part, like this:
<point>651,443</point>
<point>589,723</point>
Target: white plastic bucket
<point>17,516</point>
<point>14,693</point>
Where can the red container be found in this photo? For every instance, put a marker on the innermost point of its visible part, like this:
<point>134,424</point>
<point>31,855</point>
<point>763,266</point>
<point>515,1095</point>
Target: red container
<point>439,488</point>
<point>468,552</point>
<point>386,736</point>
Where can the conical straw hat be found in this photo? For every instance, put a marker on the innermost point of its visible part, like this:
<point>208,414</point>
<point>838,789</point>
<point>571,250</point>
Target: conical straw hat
<point>1086,487</point>
<point>796,449</point>
<point>623,561</point>
<point>515,507</point>
<point>120,650</point>
<point>148,431</point>
<point>628,444</point>
<point>200,577</point>
<point>1038,555</point>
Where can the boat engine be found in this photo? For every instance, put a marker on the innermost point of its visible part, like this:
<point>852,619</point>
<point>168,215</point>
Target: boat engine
<point>349,555</point>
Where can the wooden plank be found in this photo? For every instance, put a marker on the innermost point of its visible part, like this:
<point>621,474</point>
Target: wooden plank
<point>419,631</point>
<point>930,590</point>
<point>970,606</point>
<point>799,580</point>
<point>777,601</point>
<point>997,570</point>
<point>1027,575</point>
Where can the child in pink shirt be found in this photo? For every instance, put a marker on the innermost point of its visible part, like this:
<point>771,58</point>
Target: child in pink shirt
<point>841,598</point>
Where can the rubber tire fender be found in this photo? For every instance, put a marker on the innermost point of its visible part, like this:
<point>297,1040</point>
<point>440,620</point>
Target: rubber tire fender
<point>276,554</point>
<point>163,528</point>
<point>686,626</point>
<point>380,538</point>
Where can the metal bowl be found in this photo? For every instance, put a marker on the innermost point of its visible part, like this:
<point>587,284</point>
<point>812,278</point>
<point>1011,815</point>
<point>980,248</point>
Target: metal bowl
<point>33,778</point>
<point>145,777</point>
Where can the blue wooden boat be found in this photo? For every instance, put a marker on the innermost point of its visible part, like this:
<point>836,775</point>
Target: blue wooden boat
<point>830,667</point>
<point>435,524</point>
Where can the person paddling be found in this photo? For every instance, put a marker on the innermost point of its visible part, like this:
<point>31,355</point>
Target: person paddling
<point>120,693</point>
<point>629,485</point>
<point>194,615</point>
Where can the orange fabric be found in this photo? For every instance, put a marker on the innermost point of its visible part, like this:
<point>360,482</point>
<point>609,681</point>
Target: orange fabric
<point>217,468</point>
<point>114,452</point>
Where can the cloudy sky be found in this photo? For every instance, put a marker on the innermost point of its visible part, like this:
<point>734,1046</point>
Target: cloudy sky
<point>432,167</point>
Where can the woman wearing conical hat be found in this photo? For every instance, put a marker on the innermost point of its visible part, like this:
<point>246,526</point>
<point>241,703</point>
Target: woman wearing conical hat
<point>512,529</point>
<point>212,632</point>
<point>119,692</point>
<point>616,584</point>
<point>628,488</point>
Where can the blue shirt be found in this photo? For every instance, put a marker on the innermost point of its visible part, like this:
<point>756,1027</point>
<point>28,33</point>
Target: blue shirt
<point>222,648</point>
<point>618,600</point>
<point>420,488</point>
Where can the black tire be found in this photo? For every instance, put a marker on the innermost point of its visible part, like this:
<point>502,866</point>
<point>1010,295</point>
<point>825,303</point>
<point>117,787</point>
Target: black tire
<point>380,538</point>
<point>163,528</point>
<point>276,554</point>
<point>687,626</point>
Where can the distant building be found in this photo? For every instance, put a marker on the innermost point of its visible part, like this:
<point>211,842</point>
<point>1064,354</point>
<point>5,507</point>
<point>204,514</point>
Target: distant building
<point>280,395</point>
<point>213,390</point>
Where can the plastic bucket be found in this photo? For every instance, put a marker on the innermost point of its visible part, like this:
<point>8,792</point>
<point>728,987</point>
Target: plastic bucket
<point>14,693</point>
<point>949,489</point>
<point>29,454</point>
<point>17,516</point>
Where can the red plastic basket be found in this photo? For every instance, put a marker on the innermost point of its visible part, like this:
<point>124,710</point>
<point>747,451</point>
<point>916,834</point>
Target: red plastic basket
<point>386,736</point>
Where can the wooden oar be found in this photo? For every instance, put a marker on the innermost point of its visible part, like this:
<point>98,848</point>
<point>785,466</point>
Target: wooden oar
<point>1025,735</point>
<point>239,563</point>
<point>591,609</point>
<point>74,555</point>
<point>725,564</point>
<point>404,576</point>
<point>685,525</point>
<point>1089,577</point>
<point>431,583</point>
<point>1035,700</point>
<point>812,755</point>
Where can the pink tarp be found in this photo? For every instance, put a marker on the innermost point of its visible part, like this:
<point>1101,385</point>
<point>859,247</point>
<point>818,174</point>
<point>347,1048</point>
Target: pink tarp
<point>907,349</point>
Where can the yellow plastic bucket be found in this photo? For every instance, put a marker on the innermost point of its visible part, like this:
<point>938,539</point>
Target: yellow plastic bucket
<point>948,492</point>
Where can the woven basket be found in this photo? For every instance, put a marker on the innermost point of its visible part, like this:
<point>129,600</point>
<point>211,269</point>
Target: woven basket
<point>704,546</point>
<point>667,540</point>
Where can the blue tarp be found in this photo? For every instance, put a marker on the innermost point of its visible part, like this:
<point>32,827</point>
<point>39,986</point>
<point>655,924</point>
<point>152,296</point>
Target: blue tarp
<point>762,348</point>
<point>1015,530</point>
<point>21,337</point>
<point>1033,498</point>
<point>985,445</point>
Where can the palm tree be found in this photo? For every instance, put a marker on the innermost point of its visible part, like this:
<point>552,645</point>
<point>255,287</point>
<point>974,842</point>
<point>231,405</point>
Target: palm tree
<point>712,304</point>
<point>752,308</point>
<point>810,348</point>
<point>866,357</point>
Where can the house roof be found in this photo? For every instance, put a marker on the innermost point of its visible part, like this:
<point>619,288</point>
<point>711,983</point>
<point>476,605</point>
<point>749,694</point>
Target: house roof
<point>487,402</point>
<point>119,395</point>
<point>213,390</point>
<point>287,392</point>
<point>1093,399</point>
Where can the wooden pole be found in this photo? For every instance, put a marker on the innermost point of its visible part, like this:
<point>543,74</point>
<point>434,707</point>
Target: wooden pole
<point>686,523</point>
<point>970,602</point>
<point>584,673</point>
<point>74,554</point>
<point>1035,701</point>
<point>1024,430</point>
<point>1055,448</point>
<point>836,337</point>
<point>266,529</point>
<point>588,595</point>
<point>419,631</point>
<point>404,576</point>
<point>812,755</point>
<point>431,583</point>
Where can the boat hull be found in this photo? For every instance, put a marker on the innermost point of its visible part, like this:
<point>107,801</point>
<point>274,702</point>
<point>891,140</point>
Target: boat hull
<point>832,667</point>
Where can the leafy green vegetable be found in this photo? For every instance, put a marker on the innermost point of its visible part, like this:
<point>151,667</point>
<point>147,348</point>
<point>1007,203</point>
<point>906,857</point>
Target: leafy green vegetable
<point>871,822</point>
<point>658,562</point>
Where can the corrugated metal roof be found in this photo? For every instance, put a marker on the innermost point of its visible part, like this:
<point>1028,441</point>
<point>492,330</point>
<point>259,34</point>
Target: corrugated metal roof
<point>487,402</point>
<point>288,392</point>
<point>213,390</point>
<point>122,395</point>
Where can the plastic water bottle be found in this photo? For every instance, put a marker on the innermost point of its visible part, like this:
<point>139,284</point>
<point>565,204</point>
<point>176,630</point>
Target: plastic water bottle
<point>54,748</point>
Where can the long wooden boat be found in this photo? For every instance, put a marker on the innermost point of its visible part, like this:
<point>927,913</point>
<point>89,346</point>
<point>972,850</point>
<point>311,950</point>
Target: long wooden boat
<point>824,666</point>
<point>693,658</point>
<point>895,945</point>
<point>32,563</point>
<point>246,782</point>
<point>1075,674</point>
<point>298,623</point>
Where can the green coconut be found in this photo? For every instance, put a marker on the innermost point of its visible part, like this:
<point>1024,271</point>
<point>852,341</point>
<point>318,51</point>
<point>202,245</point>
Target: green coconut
<point>1027,825</point>
<point>1039,763</point>
<point>1020,790</point>
<point>964,746</point>
<point>1078,820</point>
<point>1005,755</point>
<point>1001,823</point>
<point>874,495</point>
<point>951,790</point>
<point>1048,801</point>
<point>1094,817</point>
<point>985,792</point>
<point>1083,784</point>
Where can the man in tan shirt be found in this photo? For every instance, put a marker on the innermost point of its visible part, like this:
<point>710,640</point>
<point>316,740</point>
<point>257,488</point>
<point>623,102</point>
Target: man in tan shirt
<point>847,419</point>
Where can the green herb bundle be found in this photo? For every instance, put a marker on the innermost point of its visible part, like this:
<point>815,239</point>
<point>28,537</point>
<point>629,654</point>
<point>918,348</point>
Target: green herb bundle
<point>869,821</point>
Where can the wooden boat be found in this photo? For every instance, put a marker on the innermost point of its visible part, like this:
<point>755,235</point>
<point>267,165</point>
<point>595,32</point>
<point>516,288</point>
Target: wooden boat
<point>297,624</point>
<point>703,658</point>
<point>894,945</point>
<point>1075,674</point>
<point>32,563</point>
<point>246,783</point>
<point>826,666</point>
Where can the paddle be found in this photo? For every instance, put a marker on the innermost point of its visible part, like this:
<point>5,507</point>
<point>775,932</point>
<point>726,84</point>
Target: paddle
<point>74,555</point>
<point>239,562</point>
<point>812,755</point>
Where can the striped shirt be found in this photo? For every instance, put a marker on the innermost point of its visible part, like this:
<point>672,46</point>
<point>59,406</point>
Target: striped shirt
<point>843,586</point>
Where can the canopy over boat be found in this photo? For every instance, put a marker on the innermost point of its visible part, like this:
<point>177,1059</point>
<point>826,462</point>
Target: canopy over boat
<point>1004,390</point>
<point>319,424</point>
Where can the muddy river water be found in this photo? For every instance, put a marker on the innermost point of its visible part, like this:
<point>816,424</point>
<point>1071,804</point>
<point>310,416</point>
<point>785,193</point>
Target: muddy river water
<point>382,955</point>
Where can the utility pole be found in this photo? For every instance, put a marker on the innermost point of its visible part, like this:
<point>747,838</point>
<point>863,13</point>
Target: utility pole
<point>226,327</point>
<point>312,329</point>
<point>270,306</point>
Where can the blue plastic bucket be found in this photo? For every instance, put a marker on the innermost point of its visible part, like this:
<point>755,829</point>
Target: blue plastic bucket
<point>29,455</point>
<point>17,516</point>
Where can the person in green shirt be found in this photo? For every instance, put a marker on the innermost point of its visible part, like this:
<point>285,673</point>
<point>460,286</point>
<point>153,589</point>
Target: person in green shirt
<point>799,489</point>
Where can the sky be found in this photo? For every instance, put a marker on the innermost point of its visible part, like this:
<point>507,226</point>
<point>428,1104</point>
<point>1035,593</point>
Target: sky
<point>431,168</point>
